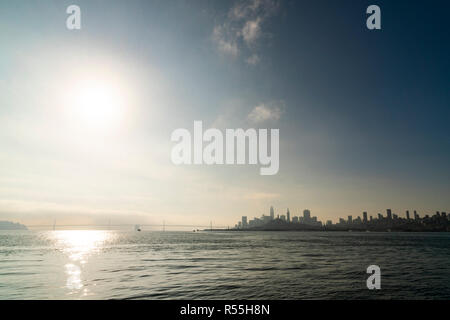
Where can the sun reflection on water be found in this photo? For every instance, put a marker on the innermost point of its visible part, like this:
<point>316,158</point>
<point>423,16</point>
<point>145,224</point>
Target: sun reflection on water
<point>78,245</point>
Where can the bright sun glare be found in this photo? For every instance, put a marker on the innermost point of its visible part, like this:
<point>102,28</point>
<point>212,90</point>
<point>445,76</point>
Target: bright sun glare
<point>95,103</point>
<point>98,106</point>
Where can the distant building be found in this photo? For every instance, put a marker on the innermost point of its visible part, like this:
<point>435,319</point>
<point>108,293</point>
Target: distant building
<point>350,219</point>
<point>306,216</point>
<point>389,214</point>
<point>288,215</point>
<point>294,219</point>
<point>283,217</point>
<point>365,217</point>
<point>244,222</point>
<point>329,222</point>
<point>380,216</point>
<point>272,213</point>
<point>416,216</point>
<point>407,214</point>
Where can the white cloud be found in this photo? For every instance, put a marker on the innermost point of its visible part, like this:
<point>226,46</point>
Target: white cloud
<point>263,112</point>
<point>251,31</point>
<point>253,59</point>
<point>248,9</point>
<point>225,43</point>
<point>242,30</point>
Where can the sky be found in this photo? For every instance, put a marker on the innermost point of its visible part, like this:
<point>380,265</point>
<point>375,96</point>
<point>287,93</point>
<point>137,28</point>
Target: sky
<point>363,114</point>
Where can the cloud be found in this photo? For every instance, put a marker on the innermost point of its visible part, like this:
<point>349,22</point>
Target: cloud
<point>253,59</point>
<point>263,112</point>
<point>225,43</point>
<point>243,10</point>
<point>251,31</point>
<point>242,29</point>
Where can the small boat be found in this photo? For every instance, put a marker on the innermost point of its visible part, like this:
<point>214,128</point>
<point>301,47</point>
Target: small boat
<point>137,228</point>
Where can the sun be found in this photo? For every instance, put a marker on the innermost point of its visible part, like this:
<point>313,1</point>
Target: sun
<point>98,105</point>
<point>95,105</point>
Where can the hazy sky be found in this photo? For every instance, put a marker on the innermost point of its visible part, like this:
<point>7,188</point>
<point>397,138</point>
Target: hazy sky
<point>363,115</point>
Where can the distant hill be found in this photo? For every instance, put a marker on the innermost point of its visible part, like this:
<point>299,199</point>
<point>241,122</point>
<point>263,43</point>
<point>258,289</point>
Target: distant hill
<point>8,225</point>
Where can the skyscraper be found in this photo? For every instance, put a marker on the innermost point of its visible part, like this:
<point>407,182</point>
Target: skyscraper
<point>350,219</point>
<point>288,215</point>
<point>365,217</point>
<point>407,214</point>
<point>244,221</point>
<point>306,216</point>
<point>389,214</point>
<point>272,213</point>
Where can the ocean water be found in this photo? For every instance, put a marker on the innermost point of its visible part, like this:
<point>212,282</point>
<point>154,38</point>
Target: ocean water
<point>99,264</point>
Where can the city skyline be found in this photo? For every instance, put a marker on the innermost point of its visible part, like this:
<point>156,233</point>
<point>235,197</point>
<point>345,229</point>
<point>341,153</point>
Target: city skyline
<point>309,220</point>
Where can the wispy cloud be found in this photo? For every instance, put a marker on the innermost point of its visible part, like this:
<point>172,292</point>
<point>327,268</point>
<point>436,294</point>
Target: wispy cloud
<point>265,112</point>
<point>253,59</point>
<point>225,42</point>
<point>243,29</point>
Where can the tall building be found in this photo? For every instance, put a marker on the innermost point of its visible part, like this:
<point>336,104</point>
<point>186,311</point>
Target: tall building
<point>407,214</point>
<point>416,216</point>
<point>389,213</point>
<point>272,213</point>
<point>306,216</point>
<point>244,221</point>
<point>365,217</point>
<point>350,219</point>
<point>288,215</point>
